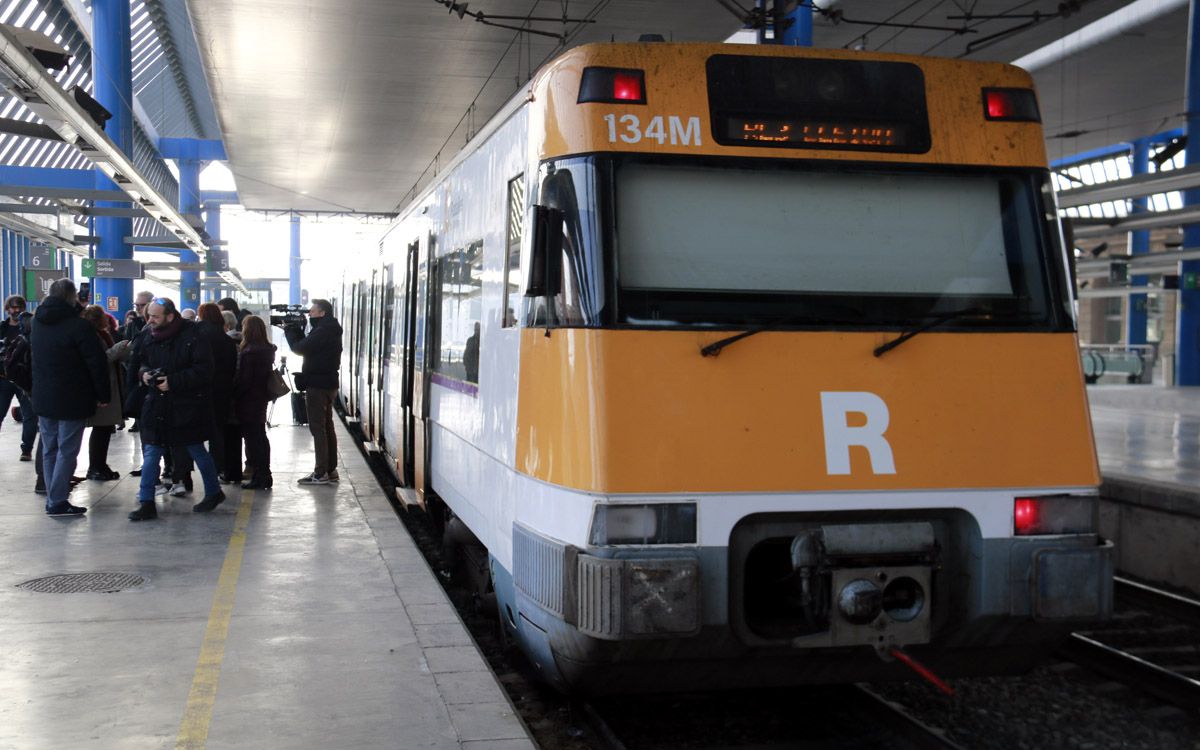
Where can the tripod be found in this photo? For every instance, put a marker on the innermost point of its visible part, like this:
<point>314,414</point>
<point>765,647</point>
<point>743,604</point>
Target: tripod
<point>283,370</point>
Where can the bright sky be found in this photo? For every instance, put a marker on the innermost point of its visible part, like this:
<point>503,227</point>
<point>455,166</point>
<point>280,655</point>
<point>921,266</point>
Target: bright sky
<point>259,243</point>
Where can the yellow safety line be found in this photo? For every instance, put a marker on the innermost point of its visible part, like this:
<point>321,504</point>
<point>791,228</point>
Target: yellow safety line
<point>193,731</point>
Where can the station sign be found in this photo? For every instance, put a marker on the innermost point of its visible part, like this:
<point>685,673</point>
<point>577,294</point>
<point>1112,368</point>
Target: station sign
<point>112,268</point>
<point>38,281</point>
<point>217,260</point>
<point>41,256</point>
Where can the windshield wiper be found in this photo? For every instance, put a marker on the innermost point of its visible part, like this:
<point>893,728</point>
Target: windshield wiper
<point>715,347</point>
<point>942,318</point>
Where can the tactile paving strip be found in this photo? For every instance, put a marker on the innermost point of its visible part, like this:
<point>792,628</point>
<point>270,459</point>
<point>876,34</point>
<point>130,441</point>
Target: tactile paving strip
<point>81,583</point>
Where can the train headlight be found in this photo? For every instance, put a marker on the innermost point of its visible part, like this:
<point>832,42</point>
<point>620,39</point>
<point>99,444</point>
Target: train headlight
<point>659,523</point>
<point>1054,514</point>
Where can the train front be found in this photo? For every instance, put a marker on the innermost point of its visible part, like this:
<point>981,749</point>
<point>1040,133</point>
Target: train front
<point>799,386</point>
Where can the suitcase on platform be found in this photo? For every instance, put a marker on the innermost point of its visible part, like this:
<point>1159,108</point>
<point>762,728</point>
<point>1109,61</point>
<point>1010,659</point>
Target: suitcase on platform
<point>299,408</point>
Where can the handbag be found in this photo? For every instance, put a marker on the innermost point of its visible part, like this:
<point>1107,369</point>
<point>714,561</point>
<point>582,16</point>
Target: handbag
<point>277,386</point>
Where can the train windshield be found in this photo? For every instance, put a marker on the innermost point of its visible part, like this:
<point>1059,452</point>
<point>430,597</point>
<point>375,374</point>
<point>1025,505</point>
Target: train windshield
<point>798,245</point>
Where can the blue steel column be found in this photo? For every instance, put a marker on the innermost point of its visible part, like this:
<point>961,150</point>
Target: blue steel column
<point>6,259</point>
<point>112,81</point>
<point>799,33</point>
<point>189,203</point>
<point>294,263</point>
<point>1187,334</point>
<point>1139,244</point>
<point>11,286</point>
<point>212,225</point>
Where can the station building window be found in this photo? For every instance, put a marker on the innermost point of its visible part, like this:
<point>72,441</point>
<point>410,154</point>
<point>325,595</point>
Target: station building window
<point>459,291</point>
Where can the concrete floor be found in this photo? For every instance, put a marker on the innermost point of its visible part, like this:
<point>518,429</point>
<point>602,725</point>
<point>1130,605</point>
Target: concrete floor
<point>1148,442</point>
<point>336,634</point>
<point>1147,432</point>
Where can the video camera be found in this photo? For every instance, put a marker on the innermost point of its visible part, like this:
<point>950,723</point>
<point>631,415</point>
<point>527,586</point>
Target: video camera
<point>289,315</point>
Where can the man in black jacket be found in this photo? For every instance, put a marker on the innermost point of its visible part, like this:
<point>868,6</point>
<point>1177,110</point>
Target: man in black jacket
<point>174,368</point>
<point>322,352</point>
<point>10,329</point>
<point>71,373</point>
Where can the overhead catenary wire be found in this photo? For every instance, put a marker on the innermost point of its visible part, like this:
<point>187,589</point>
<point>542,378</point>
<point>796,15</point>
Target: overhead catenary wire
<point>589,17</point>
<point>433,162</point>
<point>947,38</point>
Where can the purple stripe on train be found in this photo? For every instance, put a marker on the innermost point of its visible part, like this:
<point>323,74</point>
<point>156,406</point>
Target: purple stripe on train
<point>455,384</point>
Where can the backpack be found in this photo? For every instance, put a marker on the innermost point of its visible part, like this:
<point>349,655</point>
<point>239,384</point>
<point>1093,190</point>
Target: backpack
<point>18,362</point>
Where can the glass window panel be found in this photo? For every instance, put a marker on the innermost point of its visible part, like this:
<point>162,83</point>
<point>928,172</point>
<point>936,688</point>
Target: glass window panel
<point>513,237</point>
<point>687,228</point>
<point>460,293</point>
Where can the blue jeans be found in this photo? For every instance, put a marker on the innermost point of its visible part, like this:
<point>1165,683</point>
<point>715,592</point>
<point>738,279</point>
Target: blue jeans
<point>29,423</point>
<point>152,457</point>
<point>61,439</point>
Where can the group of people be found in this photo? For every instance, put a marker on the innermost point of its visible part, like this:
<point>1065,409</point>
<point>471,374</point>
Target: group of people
<point>197,386</point>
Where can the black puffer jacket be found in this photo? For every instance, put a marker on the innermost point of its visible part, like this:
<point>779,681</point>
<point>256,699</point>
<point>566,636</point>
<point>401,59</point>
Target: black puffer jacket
<point>321,349</point>
<point>183,415</point>
<point>70,370</point>
<point>225,359</point>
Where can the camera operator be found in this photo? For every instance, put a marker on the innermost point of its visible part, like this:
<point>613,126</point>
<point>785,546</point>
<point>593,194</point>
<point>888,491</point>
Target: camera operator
<point>318,378</point>
<point>173,369</point>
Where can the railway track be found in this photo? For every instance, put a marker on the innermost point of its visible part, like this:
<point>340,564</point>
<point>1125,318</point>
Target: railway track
<point>1152,645</point>
<point>835,716</point>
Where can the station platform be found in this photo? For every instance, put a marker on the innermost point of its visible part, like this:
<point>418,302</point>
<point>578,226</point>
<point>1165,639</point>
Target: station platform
<point>303,617</point>
<point>1148,443</point>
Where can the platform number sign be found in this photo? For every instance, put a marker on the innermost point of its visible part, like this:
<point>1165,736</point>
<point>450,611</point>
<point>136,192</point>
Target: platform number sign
<point>41,256</point>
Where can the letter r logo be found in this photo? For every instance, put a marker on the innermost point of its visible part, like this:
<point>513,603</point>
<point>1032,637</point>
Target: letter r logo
<point>836,406</point>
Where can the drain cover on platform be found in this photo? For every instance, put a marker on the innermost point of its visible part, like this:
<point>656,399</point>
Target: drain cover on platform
<point>81,583</point>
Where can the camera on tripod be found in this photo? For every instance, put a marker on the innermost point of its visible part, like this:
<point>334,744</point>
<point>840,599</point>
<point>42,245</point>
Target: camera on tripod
<point>288,315</point>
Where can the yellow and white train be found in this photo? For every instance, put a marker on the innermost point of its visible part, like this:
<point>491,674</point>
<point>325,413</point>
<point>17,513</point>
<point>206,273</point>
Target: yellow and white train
<point>747,366</point>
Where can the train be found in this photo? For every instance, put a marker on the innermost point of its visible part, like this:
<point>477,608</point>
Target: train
<point>743,366</point>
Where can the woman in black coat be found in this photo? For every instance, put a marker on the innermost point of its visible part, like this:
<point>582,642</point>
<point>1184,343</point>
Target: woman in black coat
<point>210,326</point>
<point>256,360</point>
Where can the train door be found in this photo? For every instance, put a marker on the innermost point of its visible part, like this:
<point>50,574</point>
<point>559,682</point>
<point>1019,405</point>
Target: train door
<point>351,375</point>
<point>408,350</point>
<point>369,364</point>
<point>359,349</point>
<point>383,353</point>
<point>425,349</point>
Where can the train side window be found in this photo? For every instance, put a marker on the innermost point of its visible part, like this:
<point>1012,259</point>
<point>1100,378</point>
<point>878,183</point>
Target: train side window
<point>513,236</point>
<point>570,186</point>
<point>459,297</point>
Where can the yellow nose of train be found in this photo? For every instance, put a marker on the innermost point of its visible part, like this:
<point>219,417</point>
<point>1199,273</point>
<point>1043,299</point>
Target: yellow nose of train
<point>643,411</point>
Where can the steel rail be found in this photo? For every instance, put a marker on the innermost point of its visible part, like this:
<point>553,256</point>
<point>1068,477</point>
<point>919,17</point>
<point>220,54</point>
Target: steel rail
<point>600,729</point>
<point>1164,684</point>
<point>903,723</point>
<point>1139,594</point>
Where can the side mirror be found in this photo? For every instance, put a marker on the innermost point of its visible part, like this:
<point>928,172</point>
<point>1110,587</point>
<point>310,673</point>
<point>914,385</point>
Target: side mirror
<point>545,262</point>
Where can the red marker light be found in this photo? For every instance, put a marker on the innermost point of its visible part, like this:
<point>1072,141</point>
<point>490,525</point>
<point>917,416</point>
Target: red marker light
<point>1014,105</point>
<point>612,86</point>
<point>999,106</point>
<point>1025,515</point>
<point>627,87</point>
